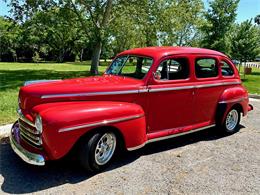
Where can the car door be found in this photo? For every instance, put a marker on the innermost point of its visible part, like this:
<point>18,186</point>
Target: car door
<point>208,88</point>
<point>170,95</point>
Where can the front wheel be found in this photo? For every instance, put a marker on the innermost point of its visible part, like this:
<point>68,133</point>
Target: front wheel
<point>97,151</point>
<point>231,122</point>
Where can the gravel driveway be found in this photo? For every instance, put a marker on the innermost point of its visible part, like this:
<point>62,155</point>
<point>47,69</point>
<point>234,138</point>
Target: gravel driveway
<point>199,163</point>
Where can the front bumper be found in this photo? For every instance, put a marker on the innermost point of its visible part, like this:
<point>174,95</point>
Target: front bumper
<point>29,157</point>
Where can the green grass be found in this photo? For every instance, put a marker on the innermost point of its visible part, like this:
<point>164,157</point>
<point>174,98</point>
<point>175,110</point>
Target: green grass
<point>13,75</point>
<point>252,81</point>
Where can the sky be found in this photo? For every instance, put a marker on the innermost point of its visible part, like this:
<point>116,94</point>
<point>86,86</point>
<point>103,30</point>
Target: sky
<point>247,9</point>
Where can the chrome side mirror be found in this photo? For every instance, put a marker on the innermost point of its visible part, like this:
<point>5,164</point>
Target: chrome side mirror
<point>157,75</point>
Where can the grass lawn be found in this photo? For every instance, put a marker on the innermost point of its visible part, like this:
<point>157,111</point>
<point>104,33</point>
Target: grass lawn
<point>13,75</point>
<point>251,82</point>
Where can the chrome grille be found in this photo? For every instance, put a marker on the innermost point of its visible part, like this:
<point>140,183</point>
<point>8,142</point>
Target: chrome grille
<point>29,133</point>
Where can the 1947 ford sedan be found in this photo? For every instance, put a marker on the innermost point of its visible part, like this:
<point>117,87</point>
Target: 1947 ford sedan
<point>145,95</point>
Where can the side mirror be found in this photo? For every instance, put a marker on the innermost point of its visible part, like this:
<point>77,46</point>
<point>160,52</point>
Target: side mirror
<point>157,75</point>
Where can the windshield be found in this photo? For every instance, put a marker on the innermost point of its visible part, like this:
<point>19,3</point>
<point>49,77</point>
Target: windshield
<point>130,66</point>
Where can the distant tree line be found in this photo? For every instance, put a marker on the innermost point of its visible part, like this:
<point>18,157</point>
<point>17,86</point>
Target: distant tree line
<point>72,30</point>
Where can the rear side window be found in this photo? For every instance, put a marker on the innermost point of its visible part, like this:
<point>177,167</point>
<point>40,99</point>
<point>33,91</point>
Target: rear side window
<point>173,69</point>
<point>206,68</point>
<point>226,69</point>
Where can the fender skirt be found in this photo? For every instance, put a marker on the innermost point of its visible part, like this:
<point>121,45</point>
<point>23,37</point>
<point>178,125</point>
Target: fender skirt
<point>65,122</point>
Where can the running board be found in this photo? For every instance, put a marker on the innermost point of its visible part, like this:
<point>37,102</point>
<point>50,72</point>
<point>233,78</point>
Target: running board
<point>170,136</point>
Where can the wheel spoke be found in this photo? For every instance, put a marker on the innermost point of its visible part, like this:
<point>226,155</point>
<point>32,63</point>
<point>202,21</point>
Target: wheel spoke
<point>232,120</point>
<point>105,148</point>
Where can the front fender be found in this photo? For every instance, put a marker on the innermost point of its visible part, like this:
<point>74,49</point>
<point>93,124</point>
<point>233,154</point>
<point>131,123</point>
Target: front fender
<point>65,122</point>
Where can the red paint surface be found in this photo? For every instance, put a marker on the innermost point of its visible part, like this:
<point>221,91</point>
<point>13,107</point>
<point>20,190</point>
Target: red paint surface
<point>165,113</point>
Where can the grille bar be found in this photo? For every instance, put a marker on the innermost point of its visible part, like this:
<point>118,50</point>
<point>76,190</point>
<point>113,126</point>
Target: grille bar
<point>34,138</point>
<point>28,131</point>
<point>21,116</point>
<point>29,138</point>
<point>26,128</point>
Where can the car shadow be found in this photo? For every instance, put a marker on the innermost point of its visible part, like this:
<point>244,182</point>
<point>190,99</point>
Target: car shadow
<point>20,177</point>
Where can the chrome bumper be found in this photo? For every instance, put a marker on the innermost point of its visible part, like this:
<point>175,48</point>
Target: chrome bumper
<point>31,158</point>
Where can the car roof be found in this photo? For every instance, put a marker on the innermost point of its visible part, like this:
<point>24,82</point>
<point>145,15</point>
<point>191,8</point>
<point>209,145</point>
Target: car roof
<point>158,52</point>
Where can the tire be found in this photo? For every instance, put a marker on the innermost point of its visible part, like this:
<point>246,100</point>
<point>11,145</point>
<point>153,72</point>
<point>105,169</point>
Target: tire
<point>97,152</point>
<point>231,122</point>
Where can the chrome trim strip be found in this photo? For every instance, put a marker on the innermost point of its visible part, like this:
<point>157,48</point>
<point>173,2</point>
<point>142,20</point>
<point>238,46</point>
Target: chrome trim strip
<point>193,87</point>
<point>209,85</point>
<point>170,89</point>
<point>217,84</point>
<point>143,90</point>
<point>179,134</point>
<point>134,91</point>
<point>136,147</point>
<point>31,158</point>
<point>104,122</point>
<point>26,83</point>
<point>170,136</point>
<point>23,118</point>
<point>232,100</point>
<point>90,94</point>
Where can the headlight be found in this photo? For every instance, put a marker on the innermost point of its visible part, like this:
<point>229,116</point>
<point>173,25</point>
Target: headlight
<point>38,123</point>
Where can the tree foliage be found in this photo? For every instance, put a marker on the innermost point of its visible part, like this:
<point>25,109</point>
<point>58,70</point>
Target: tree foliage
<point>182,21</point>
<point>257,19</point>
<point>220,18</point>
<point>90,29</point>
<point>245,41</point>
<point>9,39</point>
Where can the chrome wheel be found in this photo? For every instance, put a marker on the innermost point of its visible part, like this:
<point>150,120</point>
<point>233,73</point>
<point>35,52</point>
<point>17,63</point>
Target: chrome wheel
<point>232,120</point>
<point>105,148</point>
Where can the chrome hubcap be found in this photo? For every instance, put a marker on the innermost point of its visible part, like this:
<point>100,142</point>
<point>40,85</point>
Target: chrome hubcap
<point>232,119</point>
<point>105,148</point>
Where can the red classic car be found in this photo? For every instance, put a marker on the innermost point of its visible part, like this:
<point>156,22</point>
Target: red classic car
<point>145,95</point>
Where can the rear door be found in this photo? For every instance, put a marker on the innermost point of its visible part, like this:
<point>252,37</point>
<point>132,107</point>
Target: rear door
<point>208,88</point>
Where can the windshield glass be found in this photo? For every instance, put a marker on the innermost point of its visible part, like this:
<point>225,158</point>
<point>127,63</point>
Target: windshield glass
<point>130,66</point>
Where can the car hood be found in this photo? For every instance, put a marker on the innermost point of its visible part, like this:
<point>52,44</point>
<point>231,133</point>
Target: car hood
<point>76,89</point>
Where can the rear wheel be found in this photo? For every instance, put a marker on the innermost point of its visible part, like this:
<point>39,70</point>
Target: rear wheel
<point>98,151</point>
<point>231,122</point>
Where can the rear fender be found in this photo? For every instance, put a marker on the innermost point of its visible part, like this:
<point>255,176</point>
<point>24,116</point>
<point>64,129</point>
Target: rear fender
<point>230,97</point>
<point>64,123</point>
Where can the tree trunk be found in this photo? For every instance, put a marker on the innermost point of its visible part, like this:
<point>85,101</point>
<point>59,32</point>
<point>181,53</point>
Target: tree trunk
<point>61,57</point>
<point>81,55</point>
<point>95,58</point>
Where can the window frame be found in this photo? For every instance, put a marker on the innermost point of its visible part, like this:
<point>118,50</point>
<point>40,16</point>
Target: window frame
<point>196,57</point>
<point>230,65</point>
<point>156,81</point>
<point>134,55</point>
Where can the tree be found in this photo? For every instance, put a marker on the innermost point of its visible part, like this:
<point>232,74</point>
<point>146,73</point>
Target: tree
<point>180,22</point>
<point>220,18</point>
<point>257,19</point>
<point>99,15</point>
<point>9,38</point>
<point>94,16</point>
<point>245,41</point>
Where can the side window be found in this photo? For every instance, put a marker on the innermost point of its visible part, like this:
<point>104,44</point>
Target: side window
<point>226,69</point>
<point>136,66</point>
<point>173,69</point>
<point>206,68</point>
